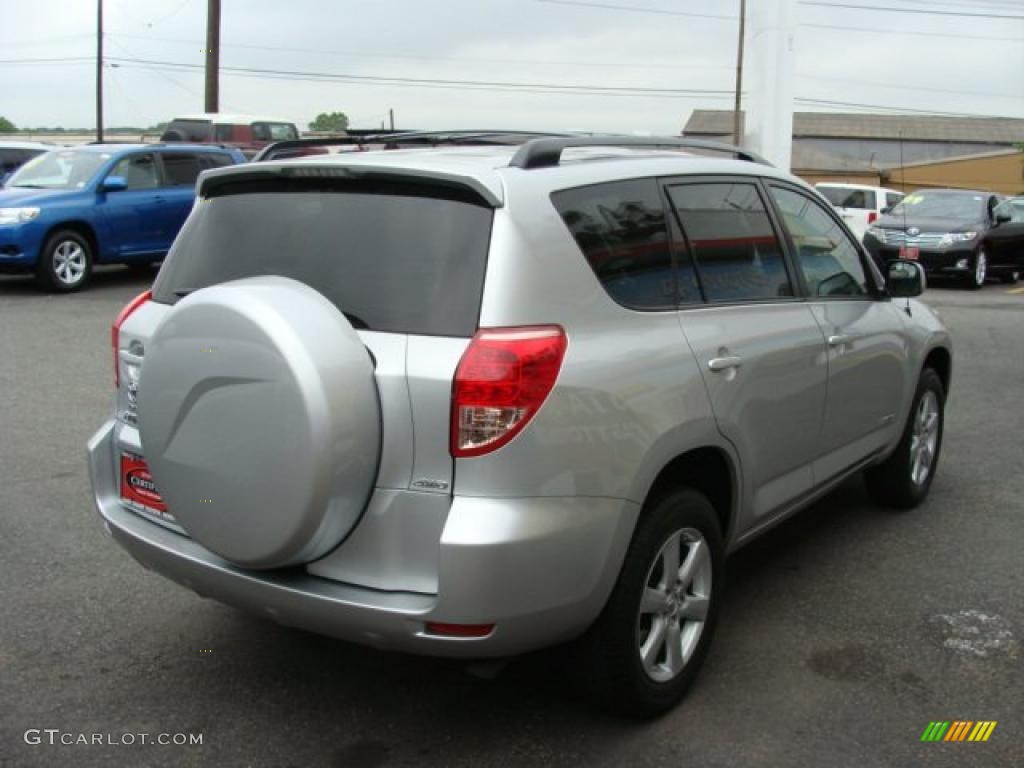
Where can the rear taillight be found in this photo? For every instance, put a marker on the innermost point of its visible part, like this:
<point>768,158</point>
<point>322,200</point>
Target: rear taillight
<point>501,382</point>
<point>115,329</point>
<point>872,216</point>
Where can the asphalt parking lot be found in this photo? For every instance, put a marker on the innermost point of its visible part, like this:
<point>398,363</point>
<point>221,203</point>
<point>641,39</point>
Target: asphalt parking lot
<point>844,632</point>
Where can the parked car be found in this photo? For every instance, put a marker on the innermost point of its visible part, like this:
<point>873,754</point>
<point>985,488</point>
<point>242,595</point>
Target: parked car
<point>14,154</point>
<point>68,209</point>
<point>248,133</point>
<point>859,205</point>
<point>470,402</point>
<point>951,232</point>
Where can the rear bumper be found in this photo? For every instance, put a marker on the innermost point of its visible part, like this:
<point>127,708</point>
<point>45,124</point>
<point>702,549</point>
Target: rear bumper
<point>539,569</point>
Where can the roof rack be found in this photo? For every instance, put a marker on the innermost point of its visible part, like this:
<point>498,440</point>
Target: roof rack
<point>400,139</point>
<point>547,152</point>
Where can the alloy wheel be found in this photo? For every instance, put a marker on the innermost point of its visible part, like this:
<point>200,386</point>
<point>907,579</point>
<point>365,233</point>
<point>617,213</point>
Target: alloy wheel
<point>69,262</point>
<point>674,605</point>
<point>980,268</point>
<point>925,438</point>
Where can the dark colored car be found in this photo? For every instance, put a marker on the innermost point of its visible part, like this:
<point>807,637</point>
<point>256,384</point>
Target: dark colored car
<point>68,209</point>
<point>14,154</point>
<point>958,233</point>
<point>249,133</point>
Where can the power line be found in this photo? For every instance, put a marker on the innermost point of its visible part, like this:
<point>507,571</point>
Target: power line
<point>916,88</point>
<point>901,32</point>
<point>893,9</point>
<point>658,11</point>
<point>894,110</point>
<point>61,60</point>
<point>414,57</point>
<point>393,80</point>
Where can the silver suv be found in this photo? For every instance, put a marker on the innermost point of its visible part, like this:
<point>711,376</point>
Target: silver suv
<point>471,401</point>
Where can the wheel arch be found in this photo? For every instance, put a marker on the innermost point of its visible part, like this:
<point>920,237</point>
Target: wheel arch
<point>709,470</point>
<point>83,228</point>
<point>940,360</point>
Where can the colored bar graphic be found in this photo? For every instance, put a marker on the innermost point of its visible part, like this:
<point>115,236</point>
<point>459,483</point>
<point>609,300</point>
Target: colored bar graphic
<point>958,730</point>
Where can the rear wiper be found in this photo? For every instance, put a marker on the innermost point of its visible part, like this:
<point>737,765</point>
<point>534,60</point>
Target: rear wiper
<point>183,292</point>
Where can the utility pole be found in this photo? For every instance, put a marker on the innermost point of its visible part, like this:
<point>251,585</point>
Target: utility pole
<point>99,70</point>
<point>737,123</point>
<point>213,56</point>
<point>391,118</point>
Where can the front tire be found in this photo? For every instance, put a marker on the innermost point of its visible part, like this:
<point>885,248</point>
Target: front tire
<point>65,262</point>
<point>979,271</point>
<point>648,645</point>
<point>902,481</point>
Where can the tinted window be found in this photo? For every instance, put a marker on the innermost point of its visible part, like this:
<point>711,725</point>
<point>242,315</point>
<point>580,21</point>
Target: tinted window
<point>845,197</point>
<point>10,159</point>
<point>139,171</point>
<point>891,198</point>
<point>620,227</point>
<point>732,241</point>
<point>180,168</point>
<point>406,258</point>
<point>222,132</point>
<point>187,130</point>
<point>209,160</point>
<point>828,260</point>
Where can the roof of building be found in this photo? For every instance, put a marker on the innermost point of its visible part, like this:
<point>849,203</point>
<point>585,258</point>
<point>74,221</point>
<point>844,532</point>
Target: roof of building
<point>983,130</point>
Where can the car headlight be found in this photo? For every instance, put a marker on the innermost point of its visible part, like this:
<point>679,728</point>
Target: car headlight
<point>17,215</point>
<point>877,233</point>
<point>956,237</point>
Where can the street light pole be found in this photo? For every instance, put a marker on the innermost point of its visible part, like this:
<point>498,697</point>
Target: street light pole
<point>99,70</point>
<point>736,120</point>
<point>213,56</point>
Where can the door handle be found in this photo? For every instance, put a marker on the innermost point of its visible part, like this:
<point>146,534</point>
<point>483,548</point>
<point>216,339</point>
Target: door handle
<point>839,340</point>
<point>718,364</point>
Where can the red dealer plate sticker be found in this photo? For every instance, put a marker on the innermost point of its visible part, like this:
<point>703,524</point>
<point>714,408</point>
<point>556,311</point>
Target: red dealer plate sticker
<point>910,252</point>
<point>137,486</point>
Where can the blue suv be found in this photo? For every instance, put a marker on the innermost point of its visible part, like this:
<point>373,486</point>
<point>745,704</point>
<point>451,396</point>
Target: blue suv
<point>66,210</point>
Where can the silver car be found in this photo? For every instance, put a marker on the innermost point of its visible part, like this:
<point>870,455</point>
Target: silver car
<point>471,401</point>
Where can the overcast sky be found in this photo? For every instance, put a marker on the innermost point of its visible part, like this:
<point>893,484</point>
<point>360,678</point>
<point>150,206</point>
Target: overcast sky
<point>944,63</point>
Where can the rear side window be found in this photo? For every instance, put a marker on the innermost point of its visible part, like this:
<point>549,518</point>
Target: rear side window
<point>208,160</point>
<point>222,132</point>
<point>732,241</point>
<point>620,227</point>
<point>274,132</point>
<point>180,168</point>
<point>397,257</point>
<point>844,197</point>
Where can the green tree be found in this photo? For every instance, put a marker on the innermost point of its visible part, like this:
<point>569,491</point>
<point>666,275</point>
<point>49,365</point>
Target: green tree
<point>6,126</point>
<point>329,121</point>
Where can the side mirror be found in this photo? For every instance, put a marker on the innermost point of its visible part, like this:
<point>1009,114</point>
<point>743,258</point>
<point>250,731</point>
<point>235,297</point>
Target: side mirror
<point>885,211</point>
<point>905,279</point>
<point>1002,217</point>
<point>114,184</point>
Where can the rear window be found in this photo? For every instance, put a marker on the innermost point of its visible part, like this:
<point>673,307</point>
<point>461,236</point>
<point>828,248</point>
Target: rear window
<point>393,256</point>
<point>844,197</point>
<point>187,130</point>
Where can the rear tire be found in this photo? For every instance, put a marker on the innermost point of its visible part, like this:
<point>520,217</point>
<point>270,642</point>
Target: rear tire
<point>648,609</point>
<point>65,262</point>
<point>902,481</point>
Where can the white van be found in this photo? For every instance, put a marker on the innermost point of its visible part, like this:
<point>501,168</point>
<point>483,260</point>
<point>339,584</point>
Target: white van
<point>859,205</point>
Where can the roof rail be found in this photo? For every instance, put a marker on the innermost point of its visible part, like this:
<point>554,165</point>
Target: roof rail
<point>399,139</point>
<point>547,152</point>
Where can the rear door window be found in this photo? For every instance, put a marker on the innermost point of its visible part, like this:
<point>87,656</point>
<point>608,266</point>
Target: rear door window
<point>180,168</point>
<point>187,130</point>
<point>732,242</point>
<point>393,256</point>
<point>620,228</point>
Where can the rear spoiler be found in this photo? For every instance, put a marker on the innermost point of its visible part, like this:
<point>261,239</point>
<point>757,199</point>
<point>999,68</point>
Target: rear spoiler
<point>210,182</point>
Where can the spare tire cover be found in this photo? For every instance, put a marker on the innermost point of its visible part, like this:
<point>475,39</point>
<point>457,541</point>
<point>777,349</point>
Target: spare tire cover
<point>260,421</point>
